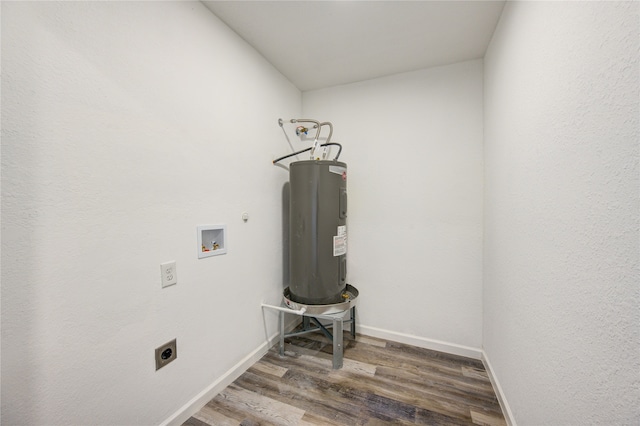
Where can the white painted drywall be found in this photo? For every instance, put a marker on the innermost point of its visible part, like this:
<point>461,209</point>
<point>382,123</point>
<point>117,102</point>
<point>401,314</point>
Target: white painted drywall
<point>561,283</point>
<point>124,126</point>
<point>413,144</point>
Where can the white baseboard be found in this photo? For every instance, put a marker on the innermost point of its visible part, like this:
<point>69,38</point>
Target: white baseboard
<point>502,400</point>
<point>200,400</point>
<point>421,342</point>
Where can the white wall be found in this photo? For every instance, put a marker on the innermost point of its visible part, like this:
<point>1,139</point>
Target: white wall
<point>413,144</point>
<point>561,287</point>
<point>124,126</point>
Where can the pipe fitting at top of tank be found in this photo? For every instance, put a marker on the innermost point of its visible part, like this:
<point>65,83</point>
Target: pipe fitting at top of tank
<point>316,145</point>
<point>316,141</point>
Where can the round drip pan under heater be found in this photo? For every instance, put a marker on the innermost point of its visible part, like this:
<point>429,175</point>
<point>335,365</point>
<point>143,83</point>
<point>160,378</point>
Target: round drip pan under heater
<point>349,295</point>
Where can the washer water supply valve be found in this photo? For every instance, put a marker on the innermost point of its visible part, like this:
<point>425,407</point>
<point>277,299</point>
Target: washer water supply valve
<point>214,246</point>
<point>212,240</point>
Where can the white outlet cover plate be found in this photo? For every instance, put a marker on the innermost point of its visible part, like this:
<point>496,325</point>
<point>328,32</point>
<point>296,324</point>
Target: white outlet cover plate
<point>169,273</point>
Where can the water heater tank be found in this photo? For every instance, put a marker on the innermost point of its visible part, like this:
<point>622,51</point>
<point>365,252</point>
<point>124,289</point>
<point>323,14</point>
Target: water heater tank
<point>317,231</point>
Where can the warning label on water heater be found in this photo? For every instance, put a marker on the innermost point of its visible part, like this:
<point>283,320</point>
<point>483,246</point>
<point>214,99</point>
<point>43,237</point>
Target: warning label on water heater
<point>340,242</point>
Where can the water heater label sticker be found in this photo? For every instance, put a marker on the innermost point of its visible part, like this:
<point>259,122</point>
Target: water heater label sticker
<point>342,231</point>
<point>340,243</point>
<point>338,170</point>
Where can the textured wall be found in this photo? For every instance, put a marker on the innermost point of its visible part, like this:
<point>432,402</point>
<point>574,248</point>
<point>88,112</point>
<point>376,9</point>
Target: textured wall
<point>124,126</point>
<point>561,286</point>
<point>413,143</point>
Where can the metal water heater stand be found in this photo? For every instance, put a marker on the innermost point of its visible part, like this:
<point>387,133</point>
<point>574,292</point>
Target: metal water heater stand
<point>337,313</point>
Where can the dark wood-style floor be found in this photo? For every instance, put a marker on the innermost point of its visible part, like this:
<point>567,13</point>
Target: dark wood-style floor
<point>381,382</point>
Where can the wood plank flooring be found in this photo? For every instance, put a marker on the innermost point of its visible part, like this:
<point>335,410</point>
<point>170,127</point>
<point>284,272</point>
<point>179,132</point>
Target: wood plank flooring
<point>381,382</point>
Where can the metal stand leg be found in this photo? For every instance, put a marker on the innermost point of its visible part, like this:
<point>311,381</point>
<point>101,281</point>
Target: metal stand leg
<point>337,343</point>
<point>281,333</point>
<point>353,322</point>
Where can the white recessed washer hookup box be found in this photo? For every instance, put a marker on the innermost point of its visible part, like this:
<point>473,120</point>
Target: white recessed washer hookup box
<point>212,240</point>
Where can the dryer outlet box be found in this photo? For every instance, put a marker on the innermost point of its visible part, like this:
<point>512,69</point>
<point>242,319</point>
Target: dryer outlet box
<point>166,354</point>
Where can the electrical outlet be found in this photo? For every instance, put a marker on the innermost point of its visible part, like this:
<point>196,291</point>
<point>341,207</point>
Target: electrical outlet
<point>169,274</point>
<point>166,353</point>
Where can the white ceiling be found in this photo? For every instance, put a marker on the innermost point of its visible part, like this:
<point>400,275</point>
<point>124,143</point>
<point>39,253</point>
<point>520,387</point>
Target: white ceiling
<point>318,44</point>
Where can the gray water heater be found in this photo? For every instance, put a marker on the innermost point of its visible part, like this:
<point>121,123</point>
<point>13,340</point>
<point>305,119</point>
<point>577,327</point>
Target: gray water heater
<point>317,231</point>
